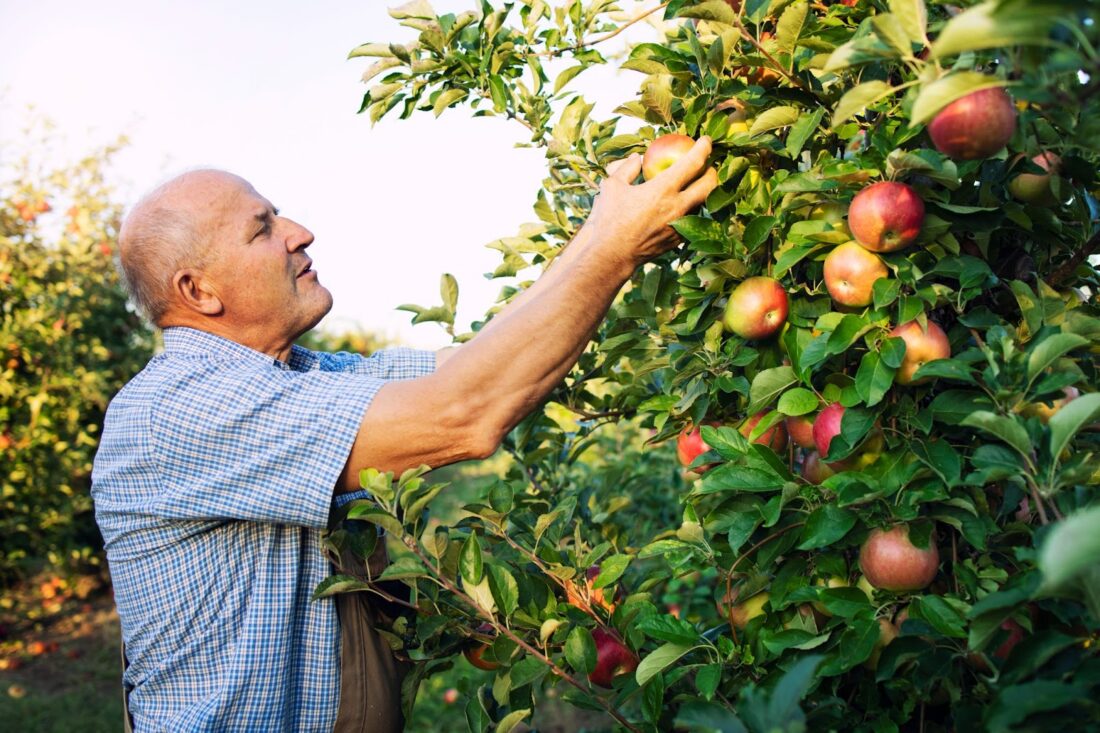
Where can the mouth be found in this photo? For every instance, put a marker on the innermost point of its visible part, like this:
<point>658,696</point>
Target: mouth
<point>308,270</point>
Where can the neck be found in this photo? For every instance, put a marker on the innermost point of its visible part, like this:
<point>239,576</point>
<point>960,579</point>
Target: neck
<point>256,337</point>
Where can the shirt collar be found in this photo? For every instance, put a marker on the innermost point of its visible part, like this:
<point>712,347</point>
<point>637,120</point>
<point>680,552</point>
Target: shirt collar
<point>184,340</point>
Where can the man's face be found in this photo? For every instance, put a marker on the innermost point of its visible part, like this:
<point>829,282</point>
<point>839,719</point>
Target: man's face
<point>259,265</point>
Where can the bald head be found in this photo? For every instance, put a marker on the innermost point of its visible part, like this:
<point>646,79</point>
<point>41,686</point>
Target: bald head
<point>169,230</point>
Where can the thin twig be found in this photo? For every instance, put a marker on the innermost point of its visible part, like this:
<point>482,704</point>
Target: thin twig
<point>607,36</point>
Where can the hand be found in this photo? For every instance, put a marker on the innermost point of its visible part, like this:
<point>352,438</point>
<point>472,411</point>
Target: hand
<point>631,222</point>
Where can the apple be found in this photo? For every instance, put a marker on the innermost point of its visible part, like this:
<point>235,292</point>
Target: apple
<point>866,587</point>
<point>689,446</point>
<point>663,152</point>
<point>814,469</point>
<point>827,427</point>
<point>1034,188</point>
<point>575,596</point>
<point>613,658</point>
<point>757,308</point>
<point>1044,412</point>
<point>735,109</point>
<point>920,347</point>
<point>832,213</point>
<point>851,272</point>
<point>801,430</point>
<point>479,643</point>
<point>975,126</point>
<point>887,632</point>
<point>450,696</point>
<point>741,613</point>
<point>886,216</point>
<point>774,437</point>
<point>891,562</point>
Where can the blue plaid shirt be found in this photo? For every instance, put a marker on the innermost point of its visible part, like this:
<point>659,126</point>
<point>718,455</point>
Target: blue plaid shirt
<point>212,485</point>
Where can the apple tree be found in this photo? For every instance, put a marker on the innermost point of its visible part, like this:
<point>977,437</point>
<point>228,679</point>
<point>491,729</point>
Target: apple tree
<point>876,352</point>
<point>68,342</point>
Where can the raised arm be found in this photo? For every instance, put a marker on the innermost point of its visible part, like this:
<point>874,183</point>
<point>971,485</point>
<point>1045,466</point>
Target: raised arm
<point>479,392</point>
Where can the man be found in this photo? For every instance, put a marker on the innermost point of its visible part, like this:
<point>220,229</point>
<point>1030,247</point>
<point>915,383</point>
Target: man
<point>220,462</point>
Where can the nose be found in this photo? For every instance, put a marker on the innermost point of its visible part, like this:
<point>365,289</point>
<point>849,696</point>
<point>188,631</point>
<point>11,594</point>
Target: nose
<point>297,237</point>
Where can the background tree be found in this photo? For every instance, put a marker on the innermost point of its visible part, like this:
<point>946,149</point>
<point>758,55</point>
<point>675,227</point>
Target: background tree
<point>68,342</point>
<point>922,554</point>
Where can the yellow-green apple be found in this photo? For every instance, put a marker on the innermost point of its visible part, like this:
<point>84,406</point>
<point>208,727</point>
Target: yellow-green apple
<point>866,587</point>
<point>774,437</point>
<point>921,346</point>
<point>663,152</point>
<point>851,272</point>
<point>832,213</point>
<point>613,658</point>
<point>886,216</point>
<point>887,632</point>
<point>1034,188</point>
<point>757,308</point>
<point>1044,411</point>
<point>975,126</point>
<point>814,469</point>
<point>741,613</point>
<point>891,562</point>
<point>834,581</point>
<point>801,430</point>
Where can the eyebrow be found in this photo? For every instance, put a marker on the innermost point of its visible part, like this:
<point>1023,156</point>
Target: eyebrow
<point>264,217</point>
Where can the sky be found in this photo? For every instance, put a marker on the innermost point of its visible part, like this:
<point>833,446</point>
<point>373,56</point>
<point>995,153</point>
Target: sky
<point>264,89</point>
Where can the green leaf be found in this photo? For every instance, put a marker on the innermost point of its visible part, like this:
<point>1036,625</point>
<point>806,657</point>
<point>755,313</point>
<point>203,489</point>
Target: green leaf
<point>567,76</point>
<point>1007,429</point>
<point>660,660</point>
<point>1071,548</point>
<point>769,384</point>
<point>850,328</point>
<point>873,379</point>
<point>955,405</point>
<point>504,588</point>
<point>803,130</point>
<point>946,369</point>
<point>510,721</point>
<point>707,679</point>
<point>447,99</point>
<point>942,92</point>
<point>790,25</point>
<point>698,228</point>
<point>611,569</point>
<point>731,477</point>
<point>857,99</point>
<point>370,512</point>
<point>944,460</point>
<point>855,644</point>
<point>334,584</point>
<point>580,650</point>
<point>994,25</point>
<point>826,525</point>
<point>670,629</point>
<point>1015,704</point>
<point>913,17</point>
<point>941,615</point>
<point>1049,350</point>
<point>797,401</point>
<point>697,716</point>
<point>775,118</point>
<point>1073,416</point>
<point>469,562</point>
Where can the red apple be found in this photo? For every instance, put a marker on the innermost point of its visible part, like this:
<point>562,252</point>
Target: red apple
<point>851,272</point>
<point>613,658</point>
<point>891,562</point>
<point>450,696</point>
<point>920,347</point>
<point>757,308</point>
<point>1034,188</point>
<point>479,643</point>
<point>975,126</point>
<point>801,430</point>
<point>663,152</point>
<point>690,445</point>
<point>774,437</point>
<point>827,427</point>
<point>814,469</point>
<point>886,216</point>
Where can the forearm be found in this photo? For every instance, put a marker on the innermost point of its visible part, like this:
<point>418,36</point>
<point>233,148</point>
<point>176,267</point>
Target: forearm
<point>507,370</point>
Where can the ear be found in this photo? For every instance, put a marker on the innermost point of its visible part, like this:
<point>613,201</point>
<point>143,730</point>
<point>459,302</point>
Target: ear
<point>195,293</point>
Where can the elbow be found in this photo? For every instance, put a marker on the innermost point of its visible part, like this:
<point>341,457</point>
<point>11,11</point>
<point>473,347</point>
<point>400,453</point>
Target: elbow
<point>478,436</point>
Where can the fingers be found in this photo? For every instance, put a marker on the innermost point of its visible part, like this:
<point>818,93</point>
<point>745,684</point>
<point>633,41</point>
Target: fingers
<point>690,165</point>
<point>627,169</point>
<point>696,193</point>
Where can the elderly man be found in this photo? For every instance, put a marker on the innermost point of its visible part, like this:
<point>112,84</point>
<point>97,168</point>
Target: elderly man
<point>221,461</point>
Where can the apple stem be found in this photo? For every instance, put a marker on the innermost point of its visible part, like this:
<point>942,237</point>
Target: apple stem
<point>1038,503</point>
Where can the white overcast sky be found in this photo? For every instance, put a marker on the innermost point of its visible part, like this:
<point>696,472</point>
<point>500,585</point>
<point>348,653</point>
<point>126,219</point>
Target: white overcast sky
<point>263,89</point>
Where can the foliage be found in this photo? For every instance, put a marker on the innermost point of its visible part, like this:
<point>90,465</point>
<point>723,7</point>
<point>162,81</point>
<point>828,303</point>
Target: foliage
<point>969,458</point>
<point>68,342</point>
<point>355,340</point>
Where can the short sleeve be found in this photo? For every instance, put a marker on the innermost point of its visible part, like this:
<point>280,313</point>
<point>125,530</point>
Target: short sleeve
<point>263,444</point>
<point>389,364</point>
